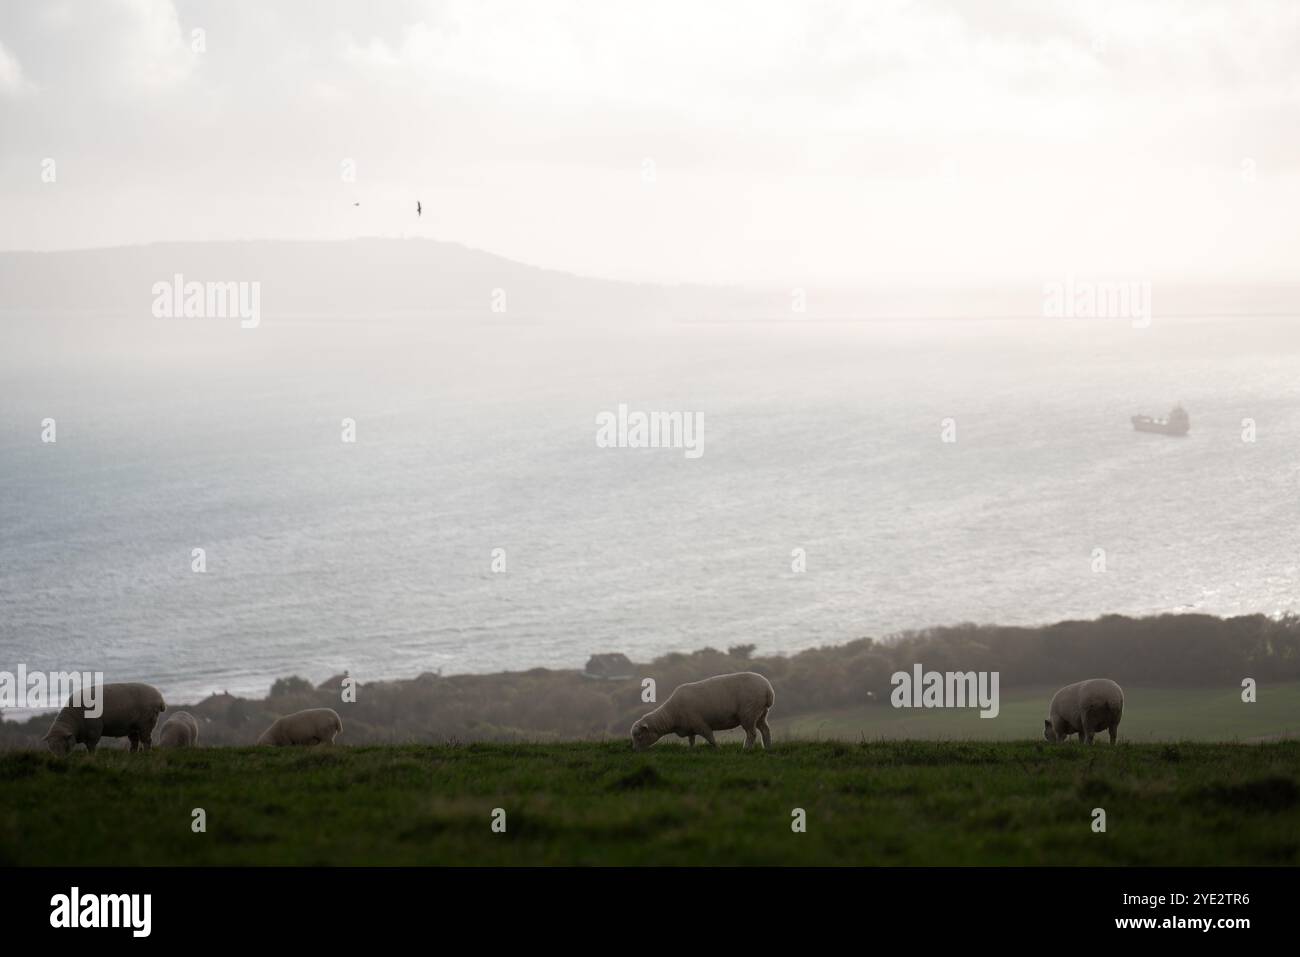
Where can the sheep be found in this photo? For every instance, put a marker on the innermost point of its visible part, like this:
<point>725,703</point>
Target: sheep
<point>1084,708</point>
<point>179,731</point>
<point>313,726</point>
<point>129,710</point>
<point>714,704</point>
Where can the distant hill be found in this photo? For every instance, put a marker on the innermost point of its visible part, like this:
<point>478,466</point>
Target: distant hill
<point>350,277</point>
<point>360,277</point>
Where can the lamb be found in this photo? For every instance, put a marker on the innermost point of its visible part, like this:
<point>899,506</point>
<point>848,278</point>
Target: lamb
<point>313,726</point>
<point>1084,708</point>
<point>181,730</point>
<point>129,710</point>
<point>714,704</point>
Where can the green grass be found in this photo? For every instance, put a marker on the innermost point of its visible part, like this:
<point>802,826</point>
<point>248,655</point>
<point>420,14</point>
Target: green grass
<point>1150,714</point>
<point>895,802</point>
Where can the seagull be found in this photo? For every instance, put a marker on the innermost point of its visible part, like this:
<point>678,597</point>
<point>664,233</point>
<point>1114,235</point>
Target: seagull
<point>419,210</point>
<point>356,204</point>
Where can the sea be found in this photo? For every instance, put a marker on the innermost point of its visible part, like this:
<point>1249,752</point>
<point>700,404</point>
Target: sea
<point>853,479</point>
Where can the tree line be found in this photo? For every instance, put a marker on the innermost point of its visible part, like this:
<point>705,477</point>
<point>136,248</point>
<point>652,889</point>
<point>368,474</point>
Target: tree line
<point>1163,651</point>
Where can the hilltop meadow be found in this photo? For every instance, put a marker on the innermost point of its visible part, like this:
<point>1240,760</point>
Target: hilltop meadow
<point>425,767</point>
<point>875,803</point>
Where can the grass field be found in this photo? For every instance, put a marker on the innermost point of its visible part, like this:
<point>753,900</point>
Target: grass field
<point>894,802</point>
<point>1150,714</point>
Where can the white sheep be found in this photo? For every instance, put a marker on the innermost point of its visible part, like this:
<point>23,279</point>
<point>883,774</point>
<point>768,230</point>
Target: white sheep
<point>128,710</point>
<point>181,730</point>
<point>1084,708</point>
<point>714,704</point>
<point>313,726</point>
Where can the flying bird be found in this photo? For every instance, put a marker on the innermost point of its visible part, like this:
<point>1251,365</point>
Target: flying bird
<point>419,210</point>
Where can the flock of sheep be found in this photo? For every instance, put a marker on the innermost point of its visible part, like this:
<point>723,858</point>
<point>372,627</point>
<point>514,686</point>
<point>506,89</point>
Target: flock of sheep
<point>695,709</point>
<point>130,710</point>
<point>743,701</point>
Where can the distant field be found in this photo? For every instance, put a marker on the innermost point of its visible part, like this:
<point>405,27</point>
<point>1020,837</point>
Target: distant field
<point>890,802</point>
<point>1150,714</point>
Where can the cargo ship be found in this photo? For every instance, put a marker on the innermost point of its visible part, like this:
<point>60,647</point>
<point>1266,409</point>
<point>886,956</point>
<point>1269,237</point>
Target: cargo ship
<point>1176,423</point>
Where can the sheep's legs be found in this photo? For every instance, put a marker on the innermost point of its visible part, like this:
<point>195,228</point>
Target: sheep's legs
<point>134,738</point>
<point>691,739</point>
<point>749,738</point>
<point>765,731</point>
<point>708,736</point>
<point>1114,732</point>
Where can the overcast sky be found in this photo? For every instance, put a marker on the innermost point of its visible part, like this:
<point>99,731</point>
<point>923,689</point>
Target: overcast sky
<point>854,144</point>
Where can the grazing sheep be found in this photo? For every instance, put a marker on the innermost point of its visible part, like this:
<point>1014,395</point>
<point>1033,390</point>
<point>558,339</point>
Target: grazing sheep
<point>129,710</point>
<point>313,726</point>
<point>714,704</point>
<point>1084,708</point>
<point>179,731</point>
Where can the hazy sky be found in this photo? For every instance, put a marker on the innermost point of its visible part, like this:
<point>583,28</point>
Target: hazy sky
<point>852,143</point>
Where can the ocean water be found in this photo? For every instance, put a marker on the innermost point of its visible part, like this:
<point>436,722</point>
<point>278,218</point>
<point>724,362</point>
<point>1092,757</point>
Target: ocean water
<point>375,557</point>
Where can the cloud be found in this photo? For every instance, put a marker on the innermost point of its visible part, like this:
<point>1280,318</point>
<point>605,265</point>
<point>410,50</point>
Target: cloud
<point>12,81</point>
<point>787,135</point>
<point>88,52</point>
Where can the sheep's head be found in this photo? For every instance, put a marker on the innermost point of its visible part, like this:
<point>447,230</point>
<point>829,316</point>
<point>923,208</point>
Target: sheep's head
<point>1049,733</point>
<point>642,736</point>
<point>59,742</point>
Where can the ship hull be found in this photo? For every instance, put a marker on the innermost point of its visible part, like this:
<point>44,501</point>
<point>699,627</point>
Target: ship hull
<point>1144,423</point>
